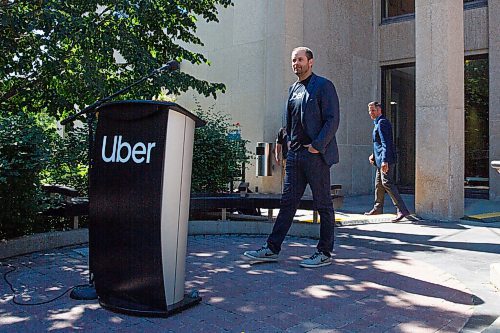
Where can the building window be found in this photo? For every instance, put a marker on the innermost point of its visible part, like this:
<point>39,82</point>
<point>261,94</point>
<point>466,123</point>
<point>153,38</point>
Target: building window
<point>396,10</point>
<point>469,4</point>
<point>476,125</point>
<point>393,8</point>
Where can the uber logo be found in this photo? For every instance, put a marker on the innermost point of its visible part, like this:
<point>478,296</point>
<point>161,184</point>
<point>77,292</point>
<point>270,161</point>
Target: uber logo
<point>123,151</point>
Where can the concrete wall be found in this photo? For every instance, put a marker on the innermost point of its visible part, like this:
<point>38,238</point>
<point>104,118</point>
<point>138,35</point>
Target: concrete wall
<point>250,52</point>
<point>397,40</point>
<point>397,43</point>
<point>247,53</point>
<point>347,54</point>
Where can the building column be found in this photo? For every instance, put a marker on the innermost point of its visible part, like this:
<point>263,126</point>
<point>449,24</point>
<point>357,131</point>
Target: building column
<point>439,183</point>
<point>494,87</point>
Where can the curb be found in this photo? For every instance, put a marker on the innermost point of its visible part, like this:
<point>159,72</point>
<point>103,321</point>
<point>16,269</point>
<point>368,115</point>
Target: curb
<point>51,240</point>
<point>40,242</point>
<point>308,230</point>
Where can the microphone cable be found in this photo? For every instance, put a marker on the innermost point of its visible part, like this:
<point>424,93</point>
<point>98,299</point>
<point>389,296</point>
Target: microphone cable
<point>12,269</point>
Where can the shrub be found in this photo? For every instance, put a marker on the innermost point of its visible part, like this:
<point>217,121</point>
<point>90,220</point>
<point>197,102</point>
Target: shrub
<point>24,152</point>
<point>219,154</point>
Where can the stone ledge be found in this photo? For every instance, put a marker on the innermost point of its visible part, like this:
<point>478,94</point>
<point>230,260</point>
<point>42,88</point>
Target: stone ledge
<point>308,230</point>
<point>40,242</point>
<point>51,240</point>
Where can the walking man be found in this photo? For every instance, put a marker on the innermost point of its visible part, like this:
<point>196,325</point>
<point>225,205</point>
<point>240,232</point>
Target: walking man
<point>384,158</point>
<point>312,119</point>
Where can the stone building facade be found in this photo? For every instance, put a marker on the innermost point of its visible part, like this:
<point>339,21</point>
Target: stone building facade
<point>410,55</point>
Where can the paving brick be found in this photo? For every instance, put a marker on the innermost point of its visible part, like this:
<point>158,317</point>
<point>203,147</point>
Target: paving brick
<point>363,291</point>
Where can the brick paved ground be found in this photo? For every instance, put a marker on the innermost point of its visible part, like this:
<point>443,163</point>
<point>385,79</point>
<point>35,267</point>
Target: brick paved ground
<point>363,291</point>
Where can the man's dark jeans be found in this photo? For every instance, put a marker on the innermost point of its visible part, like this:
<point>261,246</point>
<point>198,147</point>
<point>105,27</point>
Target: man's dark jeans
<point>304,168</point>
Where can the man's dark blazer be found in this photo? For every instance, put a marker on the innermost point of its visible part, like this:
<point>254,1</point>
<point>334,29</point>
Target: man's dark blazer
<point>383,146</point>
<point>320,116</point>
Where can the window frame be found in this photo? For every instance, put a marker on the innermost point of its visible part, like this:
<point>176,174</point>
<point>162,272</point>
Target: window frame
<point>475,4</point>
<point>394,19</point>
<point>411,16</point>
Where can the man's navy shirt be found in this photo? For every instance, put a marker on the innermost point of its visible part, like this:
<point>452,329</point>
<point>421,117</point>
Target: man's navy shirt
<point>298,137</point>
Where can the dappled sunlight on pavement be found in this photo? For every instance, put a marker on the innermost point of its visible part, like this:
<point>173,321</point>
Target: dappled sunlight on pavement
<point>363,291</point>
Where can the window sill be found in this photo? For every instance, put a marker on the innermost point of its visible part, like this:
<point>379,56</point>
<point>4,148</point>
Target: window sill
<point>397,19</point>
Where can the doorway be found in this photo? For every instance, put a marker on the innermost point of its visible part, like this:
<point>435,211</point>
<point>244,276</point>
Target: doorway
<point>398,99</point>
<point>476,127</point>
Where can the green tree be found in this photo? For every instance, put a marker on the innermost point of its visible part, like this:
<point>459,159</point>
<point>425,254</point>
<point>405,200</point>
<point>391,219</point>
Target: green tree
<point>56,54</point>
<point>476,118</point>
<point>23,154</point>
<point>476,83</point>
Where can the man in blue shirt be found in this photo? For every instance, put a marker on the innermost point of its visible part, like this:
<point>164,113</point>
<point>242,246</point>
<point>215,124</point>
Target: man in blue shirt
<point>384,159</point>
<point>312,119</point>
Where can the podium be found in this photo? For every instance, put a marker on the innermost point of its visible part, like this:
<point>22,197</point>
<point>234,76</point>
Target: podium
<point>139,195</point>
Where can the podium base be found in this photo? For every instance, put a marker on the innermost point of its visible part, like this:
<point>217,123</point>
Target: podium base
<point>187,302</point>
<point>83,293</point>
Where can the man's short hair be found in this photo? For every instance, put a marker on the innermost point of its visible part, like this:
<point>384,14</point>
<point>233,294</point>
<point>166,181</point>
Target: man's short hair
<point>375,104</point>
<point>309,52</point>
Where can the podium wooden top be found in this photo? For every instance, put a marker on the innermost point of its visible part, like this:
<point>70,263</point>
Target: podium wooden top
<point>153,106</point>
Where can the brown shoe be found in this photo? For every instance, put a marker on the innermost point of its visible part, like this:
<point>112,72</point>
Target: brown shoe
<point>400,216</point>
<point>374,212</point>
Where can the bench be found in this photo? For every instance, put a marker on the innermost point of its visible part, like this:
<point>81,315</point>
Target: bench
<point>72,204</point>
<point>253,201</point>
<point>75,206</point>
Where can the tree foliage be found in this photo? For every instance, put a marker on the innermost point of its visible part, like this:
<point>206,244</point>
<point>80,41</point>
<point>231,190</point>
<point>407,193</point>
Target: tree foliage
<point>68,163</point>
<point>476,118</point>
<point>56,54</point>
<point>476,83</point>
<point>23,154</point>
<point>60,55</point>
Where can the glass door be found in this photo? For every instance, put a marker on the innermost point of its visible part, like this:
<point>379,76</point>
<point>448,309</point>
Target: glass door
<point>398,98</point>
<point>476,127</point>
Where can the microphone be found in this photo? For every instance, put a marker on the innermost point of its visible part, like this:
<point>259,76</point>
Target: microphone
<point>172,65</point>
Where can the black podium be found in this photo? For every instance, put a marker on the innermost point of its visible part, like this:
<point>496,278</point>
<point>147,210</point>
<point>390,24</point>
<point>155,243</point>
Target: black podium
<point>139,194</point>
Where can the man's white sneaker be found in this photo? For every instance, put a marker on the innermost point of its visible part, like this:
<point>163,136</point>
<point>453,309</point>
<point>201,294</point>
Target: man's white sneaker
<point>318,259</point>
<point>262,254</point>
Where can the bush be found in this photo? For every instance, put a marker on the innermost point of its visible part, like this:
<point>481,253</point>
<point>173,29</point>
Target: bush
<point>68,164</point>
<point>219,153</point>
<point>32,153</point>
<point>24,152</point>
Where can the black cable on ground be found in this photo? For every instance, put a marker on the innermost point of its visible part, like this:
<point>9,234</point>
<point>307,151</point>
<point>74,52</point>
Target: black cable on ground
<point>12,269</point>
